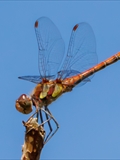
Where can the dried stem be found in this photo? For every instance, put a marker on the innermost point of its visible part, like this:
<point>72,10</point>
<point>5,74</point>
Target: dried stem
<point>34,140</point>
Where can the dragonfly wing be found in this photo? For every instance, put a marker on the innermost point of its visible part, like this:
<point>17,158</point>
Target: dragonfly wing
<point>81,53</point>
<point>50,47</point>
<point>35,79</point>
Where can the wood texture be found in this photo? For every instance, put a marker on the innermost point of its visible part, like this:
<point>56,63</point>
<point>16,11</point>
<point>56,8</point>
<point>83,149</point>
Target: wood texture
<point>34,140</point>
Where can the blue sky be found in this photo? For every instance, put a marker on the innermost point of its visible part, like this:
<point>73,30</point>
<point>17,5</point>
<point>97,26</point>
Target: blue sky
<point>89,116</point>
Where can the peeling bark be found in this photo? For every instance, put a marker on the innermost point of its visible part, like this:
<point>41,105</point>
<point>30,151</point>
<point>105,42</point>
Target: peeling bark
<point>34,140</point>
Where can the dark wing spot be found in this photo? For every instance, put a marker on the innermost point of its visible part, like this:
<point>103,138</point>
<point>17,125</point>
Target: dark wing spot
<point>75,27</point>
<point>36,24</point>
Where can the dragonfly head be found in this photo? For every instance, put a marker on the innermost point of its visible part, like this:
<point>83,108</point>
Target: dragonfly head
<point>24,104</point>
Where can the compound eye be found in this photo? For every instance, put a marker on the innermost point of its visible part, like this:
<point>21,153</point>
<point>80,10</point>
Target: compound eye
<point>24,104</point>
<point>22,97</point>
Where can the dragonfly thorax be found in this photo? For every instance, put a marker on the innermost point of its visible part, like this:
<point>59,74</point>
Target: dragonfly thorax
<point>47,92</point>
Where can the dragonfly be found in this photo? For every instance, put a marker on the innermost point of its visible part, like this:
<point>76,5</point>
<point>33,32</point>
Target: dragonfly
<point>60,72</point>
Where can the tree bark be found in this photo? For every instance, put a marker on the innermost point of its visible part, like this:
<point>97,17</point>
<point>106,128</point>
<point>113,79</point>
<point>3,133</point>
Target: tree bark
<point>34,140</point>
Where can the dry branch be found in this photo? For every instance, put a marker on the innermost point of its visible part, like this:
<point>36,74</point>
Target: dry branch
<point>34,140</point>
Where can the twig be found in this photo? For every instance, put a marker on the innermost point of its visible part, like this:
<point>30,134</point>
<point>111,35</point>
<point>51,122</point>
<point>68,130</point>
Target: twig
<point>34,140</point>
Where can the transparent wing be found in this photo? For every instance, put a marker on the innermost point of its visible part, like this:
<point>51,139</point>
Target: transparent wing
<point>35,79</point>
<point>81,53</point>
<point>50,47</point>
<point>69,73</point>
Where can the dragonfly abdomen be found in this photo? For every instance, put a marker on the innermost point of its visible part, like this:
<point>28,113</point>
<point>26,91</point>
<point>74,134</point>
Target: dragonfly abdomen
<point>107,62</point>
<point>80,77</point>
<point>101,65</point>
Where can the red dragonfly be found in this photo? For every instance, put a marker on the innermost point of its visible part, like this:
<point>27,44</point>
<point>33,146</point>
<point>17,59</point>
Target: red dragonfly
<point>59,73</point>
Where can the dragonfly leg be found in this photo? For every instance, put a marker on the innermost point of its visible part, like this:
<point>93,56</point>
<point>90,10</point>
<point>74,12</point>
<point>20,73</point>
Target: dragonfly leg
<point>50,127</point>
<point>37,116</point>
<point>57,125</point>
<point>36,112</point>
<point>42,124</point>
<point>41,117</point>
